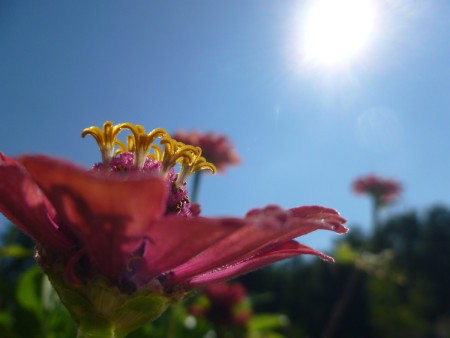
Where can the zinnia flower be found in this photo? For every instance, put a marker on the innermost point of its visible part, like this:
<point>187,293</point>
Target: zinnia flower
<point>383,191</point>
<point>216,148</point>
<point>222,307</point>
<point>122,241</point>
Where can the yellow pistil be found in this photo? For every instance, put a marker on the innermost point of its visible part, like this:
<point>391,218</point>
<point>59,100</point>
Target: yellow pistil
<point>105,139</point>
<point>142,141</point>
<point>187,169</point>
<point>176,152</point>
<point>157,154</point>
<point>189,157</point>
<point>130,147</point>
<point>141,144</point>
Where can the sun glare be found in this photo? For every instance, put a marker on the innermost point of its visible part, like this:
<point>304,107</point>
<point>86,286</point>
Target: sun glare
<point>337,31</point>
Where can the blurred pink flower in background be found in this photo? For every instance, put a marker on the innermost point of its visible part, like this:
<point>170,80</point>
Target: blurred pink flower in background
<point>383,191</point>
<point>223,306</point>
<point>216,148</point>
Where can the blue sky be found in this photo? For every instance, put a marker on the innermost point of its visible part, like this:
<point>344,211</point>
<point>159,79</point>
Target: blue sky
<point>303,130</point>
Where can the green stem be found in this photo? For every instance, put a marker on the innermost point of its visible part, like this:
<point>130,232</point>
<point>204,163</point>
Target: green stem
<point>109,334</point>
<point>195,187</point>
<point>172,321</point>
<point>341,305</point>
<point>375,214</point>
<point>80,334</point>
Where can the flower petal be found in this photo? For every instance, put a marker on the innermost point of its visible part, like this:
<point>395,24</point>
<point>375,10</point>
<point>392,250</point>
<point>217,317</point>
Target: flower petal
<point>280,252</point>
<point>26,206</point>
<point>263,228</point>
<point>174,240</point>
<point>109,213</point>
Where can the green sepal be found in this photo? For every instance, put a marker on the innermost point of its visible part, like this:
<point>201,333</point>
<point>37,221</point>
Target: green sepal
<point>101,310</point>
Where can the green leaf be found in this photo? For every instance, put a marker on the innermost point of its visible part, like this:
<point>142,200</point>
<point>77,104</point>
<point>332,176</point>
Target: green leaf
<point>345,254</point>
<point>15,251</point>
<point>5,319</point>
<point>28,291</point>
<point>263,322</point>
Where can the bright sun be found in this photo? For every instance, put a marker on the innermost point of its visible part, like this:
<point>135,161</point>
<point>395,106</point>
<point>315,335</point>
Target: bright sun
<point>337,30</point>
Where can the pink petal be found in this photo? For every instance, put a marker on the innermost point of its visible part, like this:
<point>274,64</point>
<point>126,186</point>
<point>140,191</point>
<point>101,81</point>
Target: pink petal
<point>174,240</point>
<point>109,213</point>
<point>264,228</point>
<point>26,206</point>
<point>330,217</point>
<point>280,252</point>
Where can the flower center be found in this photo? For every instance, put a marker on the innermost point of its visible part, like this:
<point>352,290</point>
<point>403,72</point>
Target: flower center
<point>140,153</point>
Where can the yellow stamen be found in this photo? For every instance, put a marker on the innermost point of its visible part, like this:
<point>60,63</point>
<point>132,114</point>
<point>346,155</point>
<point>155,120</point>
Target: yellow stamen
<point>175,152</point>
<point>187,169</point>
<point>187,156</point>
<point>157,153</point>
<point>142,141</point>
<point>105,139</point>
<point>130,147</point>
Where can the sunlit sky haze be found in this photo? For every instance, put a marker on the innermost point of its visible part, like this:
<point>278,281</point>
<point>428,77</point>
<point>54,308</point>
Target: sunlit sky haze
<point>304,126</point>
<point>337,31</point>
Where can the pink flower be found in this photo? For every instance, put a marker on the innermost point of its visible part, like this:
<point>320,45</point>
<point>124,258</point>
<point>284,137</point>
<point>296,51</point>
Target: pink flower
<point>119,224</point>
<point>128,224</point>
<point>223,302</point>
<point>216,148</point>
<point>383,191</point>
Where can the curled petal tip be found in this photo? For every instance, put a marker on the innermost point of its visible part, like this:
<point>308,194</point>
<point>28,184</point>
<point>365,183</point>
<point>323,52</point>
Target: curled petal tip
<point>338,226</point>
<point>335,222</point>
<point>6,161</point>
<point>345,230</point>
<point>327,258</point>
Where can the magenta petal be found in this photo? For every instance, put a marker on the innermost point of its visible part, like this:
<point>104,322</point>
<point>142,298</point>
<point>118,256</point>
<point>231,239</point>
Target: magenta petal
<point>280,252</point>
<point>264,228</point>
<point>23,202</point>
<point>110,214</point>
<point>174,240</point>
<point>329,217</point>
